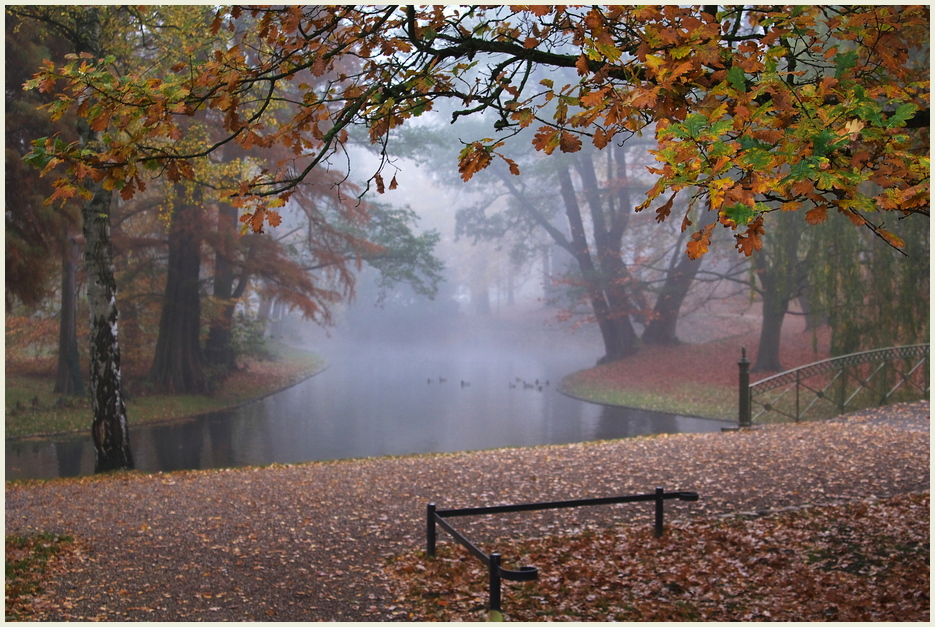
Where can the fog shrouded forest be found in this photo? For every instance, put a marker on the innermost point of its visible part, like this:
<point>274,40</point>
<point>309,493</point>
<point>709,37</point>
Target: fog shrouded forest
<point>226,186</point>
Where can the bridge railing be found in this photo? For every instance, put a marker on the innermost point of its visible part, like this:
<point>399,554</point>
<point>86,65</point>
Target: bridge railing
<point>832,387</point>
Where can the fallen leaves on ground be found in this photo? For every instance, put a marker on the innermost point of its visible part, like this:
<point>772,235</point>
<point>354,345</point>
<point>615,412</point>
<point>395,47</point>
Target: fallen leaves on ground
<point>31,561</point>
<point>657,368</point>
<point>860,561</point>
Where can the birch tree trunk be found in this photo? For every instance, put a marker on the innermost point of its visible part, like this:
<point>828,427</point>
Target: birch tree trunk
<point>109,428</point>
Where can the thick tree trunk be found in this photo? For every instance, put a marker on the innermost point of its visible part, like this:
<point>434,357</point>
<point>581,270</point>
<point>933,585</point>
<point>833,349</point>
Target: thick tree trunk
<point>775,305</point>
<point>109,428</point>
<point>219,349</point>
<point>661,329</point>
<point>177,366</point>
<point>617,331</point>
<point>68,379</point>
<point>781,276</point>
<point>774,312</point>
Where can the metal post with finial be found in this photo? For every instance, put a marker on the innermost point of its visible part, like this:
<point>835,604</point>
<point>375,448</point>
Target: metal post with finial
<point>744,417</point>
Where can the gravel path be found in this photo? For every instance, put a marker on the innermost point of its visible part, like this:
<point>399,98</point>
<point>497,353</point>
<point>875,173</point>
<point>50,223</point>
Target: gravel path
<point>307,542</point>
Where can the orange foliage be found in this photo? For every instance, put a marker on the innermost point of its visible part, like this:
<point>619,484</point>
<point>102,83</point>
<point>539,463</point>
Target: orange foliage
<point>735,114</point>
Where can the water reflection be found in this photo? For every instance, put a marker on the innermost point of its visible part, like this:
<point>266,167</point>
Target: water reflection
<point>376,399</point>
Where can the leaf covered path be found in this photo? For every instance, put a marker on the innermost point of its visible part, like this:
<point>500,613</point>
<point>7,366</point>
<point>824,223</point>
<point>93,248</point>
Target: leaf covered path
<point>310,542</point>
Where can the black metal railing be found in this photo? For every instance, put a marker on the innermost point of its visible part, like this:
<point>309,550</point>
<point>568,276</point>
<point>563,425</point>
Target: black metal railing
<point>529,573</point>
<point>831,387</point>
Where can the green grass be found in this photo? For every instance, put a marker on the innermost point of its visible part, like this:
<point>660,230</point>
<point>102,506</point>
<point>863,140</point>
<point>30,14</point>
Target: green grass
<point>33,409</point>
<point>26,567</point>
<point>689,399</point>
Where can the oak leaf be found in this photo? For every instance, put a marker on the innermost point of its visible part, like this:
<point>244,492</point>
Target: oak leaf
<point>569,142</point>
<point>750,240</point>
<point>700,242</point>
<point>816,215</point>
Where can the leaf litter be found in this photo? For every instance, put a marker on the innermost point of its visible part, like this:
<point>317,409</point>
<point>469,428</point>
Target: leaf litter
<point>333,540</point>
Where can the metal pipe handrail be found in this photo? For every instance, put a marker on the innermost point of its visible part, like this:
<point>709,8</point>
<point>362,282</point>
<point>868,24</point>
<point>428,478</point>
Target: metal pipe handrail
<point>529,573</point>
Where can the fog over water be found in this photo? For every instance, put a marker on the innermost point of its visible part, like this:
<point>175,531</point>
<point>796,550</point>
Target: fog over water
<point>383,394</point>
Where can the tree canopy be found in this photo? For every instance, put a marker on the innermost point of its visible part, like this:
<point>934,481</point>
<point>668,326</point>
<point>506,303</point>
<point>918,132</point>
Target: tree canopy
<point>754,109</point>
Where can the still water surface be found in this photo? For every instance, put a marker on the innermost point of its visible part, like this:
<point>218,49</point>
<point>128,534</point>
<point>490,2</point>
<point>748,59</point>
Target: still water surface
<point>376,399</point>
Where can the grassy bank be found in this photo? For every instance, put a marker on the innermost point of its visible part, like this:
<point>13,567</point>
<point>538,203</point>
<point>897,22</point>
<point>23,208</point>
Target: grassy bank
<point>33,409</point>
<point>687,379</point>
<point>685,398</point>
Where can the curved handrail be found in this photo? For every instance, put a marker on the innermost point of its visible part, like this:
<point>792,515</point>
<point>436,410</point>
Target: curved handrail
<point>797,380</point>
<point>832,364</point>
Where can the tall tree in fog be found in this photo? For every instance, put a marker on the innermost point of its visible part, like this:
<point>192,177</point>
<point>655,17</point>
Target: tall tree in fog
<point>36,234</point>
<point>82,27</point>
<point>617,274</point>
<point>871,296</point>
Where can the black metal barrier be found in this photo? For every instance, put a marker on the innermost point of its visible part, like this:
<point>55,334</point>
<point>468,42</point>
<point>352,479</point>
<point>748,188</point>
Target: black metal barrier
<point>530,573</point>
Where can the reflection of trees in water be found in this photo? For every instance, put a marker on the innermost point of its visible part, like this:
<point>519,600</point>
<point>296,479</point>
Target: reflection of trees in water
<point>221,429</point>
<point>178,446</point>
<point>69,453</point>
<point>624,422</point>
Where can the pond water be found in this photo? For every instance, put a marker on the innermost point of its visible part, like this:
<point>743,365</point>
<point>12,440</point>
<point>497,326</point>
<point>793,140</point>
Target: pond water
<point>381,398</point>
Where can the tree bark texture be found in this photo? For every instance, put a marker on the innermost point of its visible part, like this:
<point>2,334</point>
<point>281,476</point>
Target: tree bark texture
<point>774,312</point>
<point>68,379</point>
<point>109,428</point>
<point>177,366</point>
<point>219,348</point>
<point>229,287</point>
<point>661,329</point>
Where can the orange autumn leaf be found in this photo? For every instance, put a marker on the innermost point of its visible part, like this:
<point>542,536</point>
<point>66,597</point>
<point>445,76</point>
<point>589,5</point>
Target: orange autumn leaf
<point>569,142</point>
<point>476,159</point>
<point>816,215</point>
<point>699,243</point>
<point>751,240</point>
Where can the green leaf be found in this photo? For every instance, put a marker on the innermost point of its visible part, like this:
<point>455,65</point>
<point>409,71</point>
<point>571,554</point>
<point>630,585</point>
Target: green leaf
<point>719,149</point>
<point>802,169</point>
<point>611,53</point>
<point>740,213</point>
<point>844,61</point>
<point>902,115</point>
<point>737,78</point>
<point>721,127</point>
<point>826,179</point>
<point>38,157</point>
<point>695,124</point>
<point>869,111</point>
<point>756,158</point>
<point>826,141</point>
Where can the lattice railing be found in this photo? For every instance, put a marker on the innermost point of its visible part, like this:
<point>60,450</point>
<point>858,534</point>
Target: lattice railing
<point>831,387</point>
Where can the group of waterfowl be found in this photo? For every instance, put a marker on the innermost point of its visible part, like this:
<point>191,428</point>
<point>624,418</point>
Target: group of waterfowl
<point>464,383</point>
<point>519,383</point>
<point>525,385</point>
